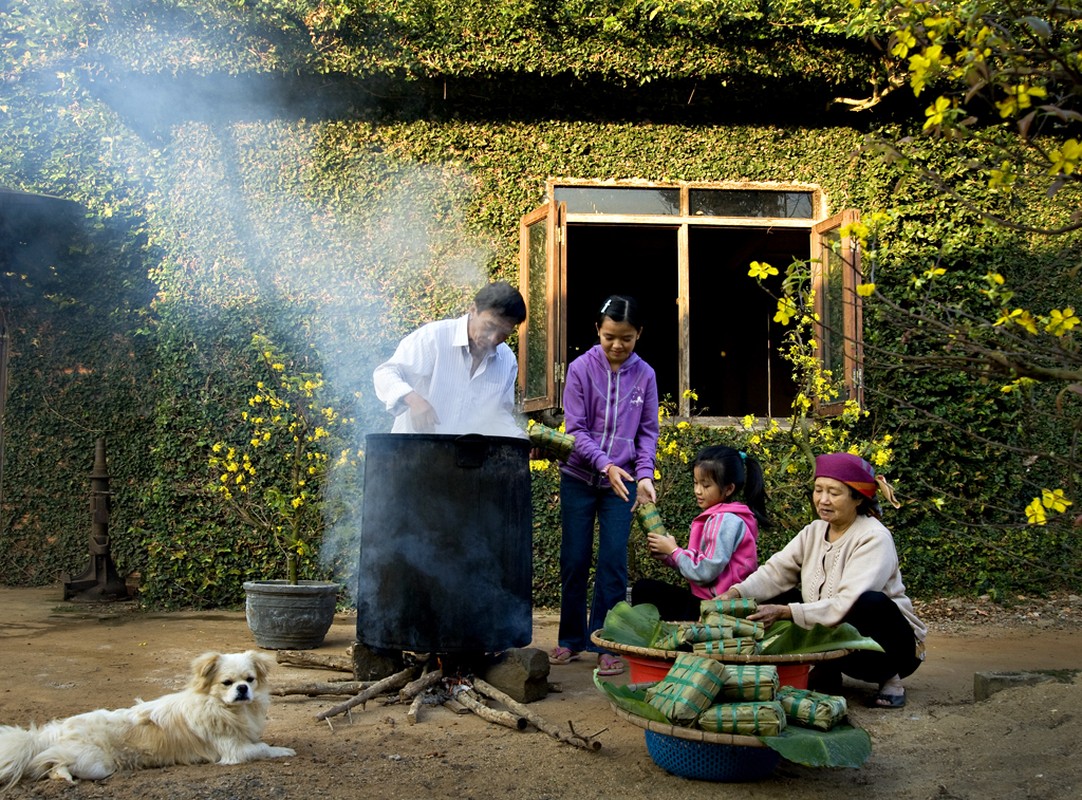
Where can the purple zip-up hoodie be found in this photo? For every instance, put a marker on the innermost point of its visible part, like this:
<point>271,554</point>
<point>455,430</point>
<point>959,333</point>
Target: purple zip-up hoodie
<point>612,415</point>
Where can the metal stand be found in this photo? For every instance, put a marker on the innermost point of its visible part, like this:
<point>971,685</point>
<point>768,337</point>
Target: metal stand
<point>100,582</point>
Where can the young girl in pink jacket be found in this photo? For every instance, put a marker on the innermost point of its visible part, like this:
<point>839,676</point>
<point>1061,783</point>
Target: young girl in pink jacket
<point>721,547</point>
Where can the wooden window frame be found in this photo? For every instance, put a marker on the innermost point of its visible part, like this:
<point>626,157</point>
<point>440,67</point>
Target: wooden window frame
<point>846,258</point>
<point>555,218</point>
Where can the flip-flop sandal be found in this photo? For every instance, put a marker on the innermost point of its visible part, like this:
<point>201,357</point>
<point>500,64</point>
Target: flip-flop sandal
<point>609,665</point>
<point>562,655</point>
<point>881,700</point>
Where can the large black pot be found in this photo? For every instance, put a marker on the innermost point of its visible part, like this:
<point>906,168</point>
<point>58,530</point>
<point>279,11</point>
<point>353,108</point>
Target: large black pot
<point>446,544</point>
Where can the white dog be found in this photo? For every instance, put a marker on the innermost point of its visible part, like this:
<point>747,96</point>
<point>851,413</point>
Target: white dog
<point>219,718</point>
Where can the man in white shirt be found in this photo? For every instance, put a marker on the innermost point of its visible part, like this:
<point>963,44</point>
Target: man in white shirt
<point>457,375</point>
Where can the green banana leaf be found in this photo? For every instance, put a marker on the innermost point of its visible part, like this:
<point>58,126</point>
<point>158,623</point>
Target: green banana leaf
<point>844,746</point>
<point>638,626</point>
<point>634,702</point>
<point>784,637</point>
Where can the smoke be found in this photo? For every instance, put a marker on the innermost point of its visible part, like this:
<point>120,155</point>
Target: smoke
<point>265,187</point>
<point>261,187</point>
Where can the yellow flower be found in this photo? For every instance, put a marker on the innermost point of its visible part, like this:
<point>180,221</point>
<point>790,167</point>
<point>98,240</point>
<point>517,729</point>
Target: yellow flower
<point>903,41</point>
<point>1035,513</point>
<point>1060,322</point>
<point>760,270</point>
<point>786,310</point>
<point>748,422</point>
<point>926,65</point>
<point>865,289</point>
<point>936,112</point>
<point>1065,158</point>
<point>1019,98</point>
<point>1055,500</point>
<point>1020,317</point>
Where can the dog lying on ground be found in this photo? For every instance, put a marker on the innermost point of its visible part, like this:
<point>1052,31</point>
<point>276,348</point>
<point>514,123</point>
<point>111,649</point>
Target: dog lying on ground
<point>219,717</point>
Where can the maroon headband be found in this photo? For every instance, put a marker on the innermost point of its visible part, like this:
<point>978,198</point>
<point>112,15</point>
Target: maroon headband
<point>849,469</point>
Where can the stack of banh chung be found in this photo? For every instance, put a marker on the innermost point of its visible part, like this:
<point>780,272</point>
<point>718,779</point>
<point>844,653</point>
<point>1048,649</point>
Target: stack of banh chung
<point>742,699</point>
<point>721,629</point>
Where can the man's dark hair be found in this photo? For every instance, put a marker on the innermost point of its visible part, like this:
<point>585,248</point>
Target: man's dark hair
<point>504,299</point>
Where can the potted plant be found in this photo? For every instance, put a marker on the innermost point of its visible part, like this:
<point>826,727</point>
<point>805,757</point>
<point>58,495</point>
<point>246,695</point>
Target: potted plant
<point>274,482</point>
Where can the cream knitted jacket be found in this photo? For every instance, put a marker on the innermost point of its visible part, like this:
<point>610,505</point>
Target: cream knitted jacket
<point>832,575</point>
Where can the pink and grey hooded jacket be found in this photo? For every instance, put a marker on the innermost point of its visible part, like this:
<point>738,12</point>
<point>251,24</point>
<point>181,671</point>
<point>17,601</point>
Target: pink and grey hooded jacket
<point>722,549</point>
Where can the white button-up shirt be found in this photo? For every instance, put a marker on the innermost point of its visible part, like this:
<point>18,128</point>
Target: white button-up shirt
<point>435,362</point>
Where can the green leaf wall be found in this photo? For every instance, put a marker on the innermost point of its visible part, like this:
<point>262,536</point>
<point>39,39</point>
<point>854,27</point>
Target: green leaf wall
<point>334,174</point>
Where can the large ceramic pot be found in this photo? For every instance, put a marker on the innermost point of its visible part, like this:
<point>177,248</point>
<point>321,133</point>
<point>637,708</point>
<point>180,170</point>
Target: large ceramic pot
<point>446,544</point>
<point>290,616</point>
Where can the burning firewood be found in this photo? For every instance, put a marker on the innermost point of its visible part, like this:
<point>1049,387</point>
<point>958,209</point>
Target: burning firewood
<point>417,689</point>
<point>421,685</point>
<point>459,693</point>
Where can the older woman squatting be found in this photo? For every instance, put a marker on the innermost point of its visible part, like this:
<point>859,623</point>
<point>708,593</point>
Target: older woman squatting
<point>843,567</point>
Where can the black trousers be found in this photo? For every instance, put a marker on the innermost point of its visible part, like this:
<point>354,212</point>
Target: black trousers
<point>674,603</point>
<point>876,616</point>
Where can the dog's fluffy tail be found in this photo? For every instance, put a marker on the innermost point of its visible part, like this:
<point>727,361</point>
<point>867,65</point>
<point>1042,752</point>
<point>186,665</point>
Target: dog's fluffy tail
<point>18,746</point>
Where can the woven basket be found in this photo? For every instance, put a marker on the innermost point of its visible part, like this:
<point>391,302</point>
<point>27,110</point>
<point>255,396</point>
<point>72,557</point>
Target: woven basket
<point>651,664</point>
<point>725,658</point>
<point>704,756</point>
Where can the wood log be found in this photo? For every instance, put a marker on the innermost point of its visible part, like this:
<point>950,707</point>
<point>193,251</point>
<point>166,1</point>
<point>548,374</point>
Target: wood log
<point>388,684</point>
<point>419,686</point>
<point>572,738</point>
<point>305,658</point>
<point>415,708</point>
<point>474,704</point>
<point>453,705</point>
<point>316,689</point>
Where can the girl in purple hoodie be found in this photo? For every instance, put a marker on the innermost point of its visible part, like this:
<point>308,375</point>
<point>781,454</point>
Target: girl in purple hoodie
<point>611,408</point>
<point>722,544</point>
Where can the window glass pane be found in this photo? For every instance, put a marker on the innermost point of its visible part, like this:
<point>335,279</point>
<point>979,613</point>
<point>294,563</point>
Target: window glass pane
<point>834,317</point>
<point>618,200</point>
<point>750,203</point>
<point>537,321</point>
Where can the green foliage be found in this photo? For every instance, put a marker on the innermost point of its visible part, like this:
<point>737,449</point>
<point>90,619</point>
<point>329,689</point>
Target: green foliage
<point>336,230</point>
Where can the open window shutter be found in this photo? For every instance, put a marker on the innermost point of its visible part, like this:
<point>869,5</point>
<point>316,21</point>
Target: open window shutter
<point>835,275</point>
<point>541,248</point>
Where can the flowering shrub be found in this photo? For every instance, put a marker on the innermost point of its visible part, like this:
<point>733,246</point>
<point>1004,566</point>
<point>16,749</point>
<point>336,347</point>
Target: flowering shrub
<point>274,481</point>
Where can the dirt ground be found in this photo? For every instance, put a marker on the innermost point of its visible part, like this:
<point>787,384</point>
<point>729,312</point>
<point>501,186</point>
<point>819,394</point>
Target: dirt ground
<point>60,658</point>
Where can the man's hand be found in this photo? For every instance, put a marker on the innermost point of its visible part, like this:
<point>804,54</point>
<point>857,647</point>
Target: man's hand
<point>422,414</point>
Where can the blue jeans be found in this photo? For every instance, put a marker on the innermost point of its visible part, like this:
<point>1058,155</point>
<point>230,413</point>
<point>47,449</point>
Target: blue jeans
<point>580,505</point>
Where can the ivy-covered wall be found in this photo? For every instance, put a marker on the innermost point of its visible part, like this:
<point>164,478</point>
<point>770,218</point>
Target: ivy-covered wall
<point>333,174</point>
